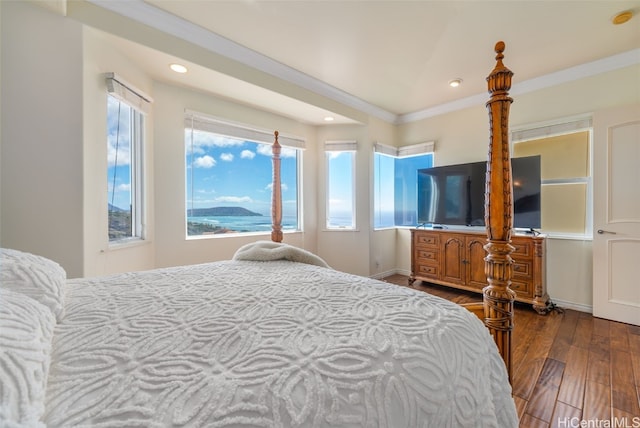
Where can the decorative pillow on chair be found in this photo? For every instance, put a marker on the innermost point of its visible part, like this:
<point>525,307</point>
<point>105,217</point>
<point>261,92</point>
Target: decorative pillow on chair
<point>26,331</point>
<point>37,277</point>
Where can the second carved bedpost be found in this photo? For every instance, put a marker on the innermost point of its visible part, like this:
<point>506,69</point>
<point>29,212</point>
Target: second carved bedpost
<point>497,295</point>
<point>276,193</point>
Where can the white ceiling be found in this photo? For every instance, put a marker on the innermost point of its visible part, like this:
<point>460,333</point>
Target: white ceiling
<point>390,59</point>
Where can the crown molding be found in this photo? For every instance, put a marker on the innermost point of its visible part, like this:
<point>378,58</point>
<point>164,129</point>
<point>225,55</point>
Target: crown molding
<point>611,63</point>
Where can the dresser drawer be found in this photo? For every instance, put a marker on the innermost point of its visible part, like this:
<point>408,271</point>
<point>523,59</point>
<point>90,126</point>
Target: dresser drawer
<point>522,268</point>
<point>427,270</point>
<point>522,288</point>
<point>427,240</point>
<point>425,255</point>
<point>522,249</point>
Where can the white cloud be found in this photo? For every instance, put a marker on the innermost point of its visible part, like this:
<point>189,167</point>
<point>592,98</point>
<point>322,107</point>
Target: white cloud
<point>247,154</point>
<point>288,152</point>
<point>264,149</point>
<point>124,187</point>
<point>195,150</point>
<point>340,204</point>
<point>122,154</point>
<point>207,139</point>
<point>206,191</point>
<point>234,199</point>
<point>227,157</point>
<point>285,152</point>
<point>204,162</point>
<point>283,186</point>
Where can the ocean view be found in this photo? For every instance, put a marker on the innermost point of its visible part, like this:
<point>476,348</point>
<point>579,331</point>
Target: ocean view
<point>226,224</point>
<point>204,225</point>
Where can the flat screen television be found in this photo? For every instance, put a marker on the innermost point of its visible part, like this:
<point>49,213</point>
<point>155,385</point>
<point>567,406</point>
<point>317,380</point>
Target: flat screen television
<point>454,194</point>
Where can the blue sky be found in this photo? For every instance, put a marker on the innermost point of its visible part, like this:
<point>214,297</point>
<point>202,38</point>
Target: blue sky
<point>119,153</point>
<point>340,186</point>
<point>223,171</point>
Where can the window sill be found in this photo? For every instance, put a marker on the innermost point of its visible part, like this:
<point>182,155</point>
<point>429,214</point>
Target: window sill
<point>127,243</point>
<point>237,235</point>
<point>568,236</point>
<point>341,229</point>
<point>379,229</point>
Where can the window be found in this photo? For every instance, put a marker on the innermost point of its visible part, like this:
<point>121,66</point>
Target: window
<point>125,141</point>
<point>565,174</point>
<point>229,178</point>
<point>341,157</point>
<point>395,183</point>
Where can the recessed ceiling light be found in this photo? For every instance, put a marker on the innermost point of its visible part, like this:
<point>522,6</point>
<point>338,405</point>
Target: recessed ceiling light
<point>328,119</point>
<point>178,68</point>
<point>455,82</point>
<point>622,17</point>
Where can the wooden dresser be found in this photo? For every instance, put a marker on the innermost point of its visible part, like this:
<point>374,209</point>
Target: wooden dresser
<point>455,258</point>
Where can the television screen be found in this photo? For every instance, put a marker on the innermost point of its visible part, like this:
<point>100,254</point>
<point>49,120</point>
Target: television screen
<point>454,194</point>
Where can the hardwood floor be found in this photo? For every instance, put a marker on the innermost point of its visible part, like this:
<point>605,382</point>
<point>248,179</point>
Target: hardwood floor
<point>568,367</point>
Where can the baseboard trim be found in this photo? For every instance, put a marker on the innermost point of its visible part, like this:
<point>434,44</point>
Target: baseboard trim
<point>384,274</point>
<point>571,305</point>
<point>390,272</point>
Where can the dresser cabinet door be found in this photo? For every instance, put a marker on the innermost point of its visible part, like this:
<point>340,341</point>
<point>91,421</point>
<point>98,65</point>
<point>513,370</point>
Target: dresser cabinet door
<point>453,260</point>
<point>476,276</point>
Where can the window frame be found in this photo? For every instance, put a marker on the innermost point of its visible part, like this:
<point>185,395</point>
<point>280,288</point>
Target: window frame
<point>138,103</point>
<point>409,151</point>
<point>245,133</point>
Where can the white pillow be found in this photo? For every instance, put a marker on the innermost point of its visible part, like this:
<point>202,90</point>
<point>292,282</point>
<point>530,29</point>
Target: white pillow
<point>26,331</point>
<point>37,277</point>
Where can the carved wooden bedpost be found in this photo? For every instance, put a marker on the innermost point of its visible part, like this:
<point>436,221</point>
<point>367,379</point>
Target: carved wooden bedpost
<point>498,296</point>
<point>276,193</point>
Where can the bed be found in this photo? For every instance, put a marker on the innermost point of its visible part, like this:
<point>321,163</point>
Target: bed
<point>272,338</point>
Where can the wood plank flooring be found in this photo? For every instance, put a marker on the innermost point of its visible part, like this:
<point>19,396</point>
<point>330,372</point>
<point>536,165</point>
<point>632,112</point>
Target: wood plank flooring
<point>568,367</point>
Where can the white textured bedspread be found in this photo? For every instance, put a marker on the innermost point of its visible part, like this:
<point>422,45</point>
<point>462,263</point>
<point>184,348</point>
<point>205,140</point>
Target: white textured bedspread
<point>270,344</point>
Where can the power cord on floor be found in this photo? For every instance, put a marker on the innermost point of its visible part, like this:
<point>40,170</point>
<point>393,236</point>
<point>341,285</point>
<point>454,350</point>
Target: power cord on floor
<point>552,307</point>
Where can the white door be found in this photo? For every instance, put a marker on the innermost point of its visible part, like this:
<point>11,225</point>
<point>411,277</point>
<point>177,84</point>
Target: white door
<point>616,214</point>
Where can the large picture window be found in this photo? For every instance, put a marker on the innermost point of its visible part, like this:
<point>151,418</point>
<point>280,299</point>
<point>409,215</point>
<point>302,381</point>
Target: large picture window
<point>395,183</point>
<point>229,179</point>
<point>125,143</point>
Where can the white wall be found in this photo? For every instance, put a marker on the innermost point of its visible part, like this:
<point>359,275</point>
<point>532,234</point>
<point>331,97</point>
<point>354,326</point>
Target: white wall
<point>383,258</point>
<point>346,250</point>
<point>42,134</point>
<point>0,125</point>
